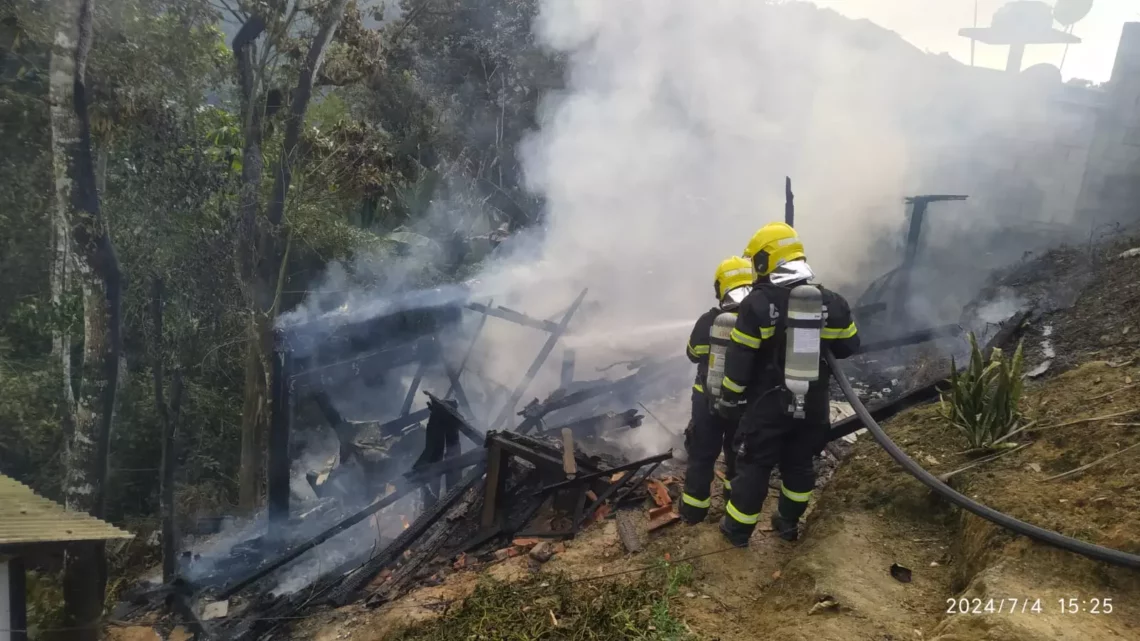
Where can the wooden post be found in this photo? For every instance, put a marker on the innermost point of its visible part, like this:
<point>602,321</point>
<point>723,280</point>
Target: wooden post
<point>495,483</point>
<point>568,358</point>
<point>569,465</point>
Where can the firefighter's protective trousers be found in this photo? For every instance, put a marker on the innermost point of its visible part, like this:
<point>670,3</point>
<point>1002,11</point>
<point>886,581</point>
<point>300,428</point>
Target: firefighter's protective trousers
<point>708,433</point>
<point>707,436</point>
<point>764,445</point>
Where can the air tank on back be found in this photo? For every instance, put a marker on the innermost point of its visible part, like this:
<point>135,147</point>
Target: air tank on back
<point>802,350</point>
<point>718,346</point>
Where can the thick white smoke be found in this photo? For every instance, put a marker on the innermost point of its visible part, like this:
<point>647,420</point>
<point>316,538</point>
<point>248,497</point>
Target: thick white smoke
<point>669,145</point>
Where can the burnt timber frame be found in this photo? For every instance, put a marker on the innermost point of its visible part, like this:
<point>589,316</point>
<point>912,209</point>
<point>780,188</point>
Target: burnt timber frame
<point>573,487</point>
<point>287,382</point>
<point>918,205</point>
<point>555,335</point>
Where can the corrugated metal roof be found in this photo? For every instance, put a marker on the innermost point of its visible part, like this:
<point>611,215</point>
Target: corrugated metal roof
<point>27,517</point>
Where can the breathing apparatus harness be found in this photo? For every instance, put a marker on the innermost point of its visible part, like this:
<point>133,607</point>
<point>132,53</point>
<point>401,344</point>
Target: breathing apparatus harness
<point>803,323</point>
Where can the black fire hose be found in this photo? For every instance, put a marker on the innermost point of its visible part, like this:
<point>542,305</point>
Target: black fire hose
<point>1115,557</point>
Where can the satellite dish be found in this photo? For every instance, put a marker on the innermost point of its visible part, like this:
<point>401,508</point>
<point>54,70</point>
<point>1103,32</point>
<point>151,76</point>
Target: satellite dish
<point>1043,74</point>
<point>1070,12</point>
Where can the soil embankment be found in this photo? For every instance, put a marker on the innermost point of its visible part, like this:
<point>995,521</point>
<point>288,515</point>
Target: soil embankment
<point>961,578</point>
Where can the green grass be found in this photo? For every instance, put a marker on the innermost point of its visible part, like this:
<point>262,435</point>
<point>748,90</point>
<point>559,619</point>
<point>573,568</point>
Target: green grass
<point>551,607</point>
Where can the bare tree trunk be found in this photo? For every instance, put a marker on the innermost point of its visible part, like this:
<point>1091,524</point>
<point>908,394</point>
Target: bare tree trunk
<point>254,421</point>
<point>64,132</point>
<point>99,276</point>
<point>262,253</point>
<point>255,394</point>
<point>168,417</point>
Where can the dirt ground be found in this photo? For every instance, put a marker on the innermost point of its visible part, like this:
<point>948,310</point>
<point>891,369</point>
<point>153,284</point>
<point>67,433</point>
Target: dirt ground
<point>836,582</point>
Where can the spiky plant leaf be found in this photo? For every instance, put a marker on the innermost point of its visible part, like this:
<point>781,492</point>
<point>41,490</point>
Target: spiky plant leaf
<point>982,402</point>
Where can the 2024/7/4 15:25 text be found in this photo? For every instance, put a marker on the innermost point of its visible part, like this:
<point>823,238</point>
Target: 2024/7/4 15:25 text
<point>1072,605</point>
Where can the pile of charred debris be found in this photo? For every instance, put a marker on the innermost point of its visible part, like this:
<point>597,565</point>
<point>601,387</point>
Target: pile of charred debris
<point>517,483</point>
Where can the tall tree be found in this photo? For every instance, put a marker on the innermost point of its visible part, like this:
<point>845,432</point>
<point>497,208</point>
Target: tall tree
<point>263,243</point>
<point>88,421</point>
<point>64,130</point>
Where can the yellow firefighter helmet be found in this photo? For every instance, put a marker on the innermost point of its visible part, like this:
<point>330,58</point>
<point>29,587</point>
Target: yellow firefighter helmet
<point>773,245</point>
<point>732,273</point>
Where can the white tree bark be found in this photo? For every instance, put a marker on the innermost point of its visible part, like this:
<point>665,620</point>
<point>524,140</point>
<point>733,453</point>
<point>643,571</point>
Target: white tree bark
<point>96,270</point>
<point>64,134</point>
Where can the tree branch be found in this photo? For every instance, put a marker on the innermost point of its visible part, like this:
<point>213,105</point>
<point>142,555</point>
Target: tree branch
<point>301,97</point>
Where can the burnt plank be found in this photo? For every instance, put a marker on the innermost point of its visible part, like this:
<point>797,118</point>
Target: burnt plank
<point>352,584</point>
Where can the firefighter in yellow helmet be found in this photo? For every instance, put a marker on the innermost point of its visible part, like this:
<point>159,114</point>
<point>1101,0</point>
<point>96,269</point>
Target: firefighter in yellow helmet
<point>776,380</point>
<point>709,433</point>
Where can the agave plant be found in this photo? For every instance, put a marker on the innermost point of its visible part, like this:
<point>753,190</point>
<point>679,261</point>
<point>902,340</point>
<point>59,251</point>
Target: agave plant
<point>983,398</point>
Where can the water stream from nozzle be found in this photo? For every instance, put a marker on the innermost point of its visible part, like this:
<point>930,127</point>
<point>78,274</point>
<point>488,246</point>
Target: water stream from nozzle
<point>629,336</point>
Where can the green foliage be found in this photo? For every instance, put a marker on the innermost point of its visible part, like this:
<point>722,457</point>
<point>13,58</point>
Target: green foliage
<point>558,607</point>
<point>408,150</point>
<point>45,602</point>
<point>30,435</point>
<point>983,398</point>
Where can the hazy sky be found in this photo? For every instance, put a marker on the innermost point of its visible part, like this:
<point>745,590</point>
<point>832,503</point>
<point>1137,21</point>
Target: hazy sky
<point>933,25</point>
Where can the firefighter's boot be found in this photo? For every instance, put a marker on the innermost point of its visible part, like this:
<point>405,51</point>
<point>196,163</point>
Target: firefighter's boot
<point>693,510</point>
<point>736,533</point>
<point>786,529</point>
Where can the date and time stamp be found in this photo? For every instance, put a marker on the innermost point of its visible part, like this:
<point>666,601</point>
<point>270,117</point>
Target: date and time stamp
<point>1066,605</point>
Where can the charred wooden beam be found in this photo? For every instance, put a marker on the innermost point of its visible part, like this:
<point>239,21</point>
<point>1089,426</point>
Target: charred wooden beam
<point>414,387</point>
<point>595,425</point>
<point>357,580</point>
<point>496,483</point>
<point>789,202</point>
<point>567,501</point>
<point>467,356</point>
<point>451,464</point>
<point>632,486</point>
<point>600,474</point>
<point>438,404</point>
<point>441,439</point>
<point>919,206</point>
<point>914,338</point>
<point>456,387</point>
<point>513,316</point>
<point>324,403</point>
<point>567,377</point>
<point>534,412</point>
<point>181,604</point>
<point>331,373</point>
<point>543,353</point>
<point>606,493</point>
<point>402,489</point>
<point>427,550</point>
<point>398,425</point>
<point>536,456</point>
<point>501,446</point>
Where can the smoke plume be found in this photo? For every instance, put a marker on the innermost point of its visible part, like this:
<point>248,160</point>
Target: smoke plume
<point>669,145</point>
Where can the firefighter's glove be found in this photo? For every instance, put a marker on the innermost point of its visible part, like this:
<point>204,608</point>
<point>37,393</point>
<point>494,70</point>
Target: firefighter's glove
<point>731,409</point>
